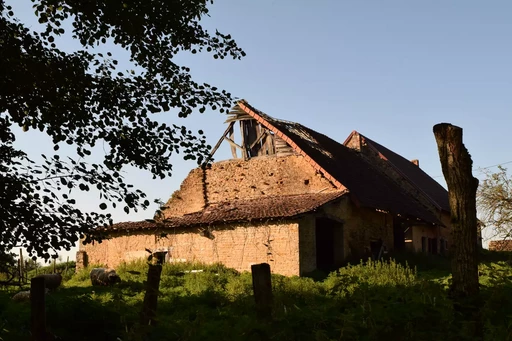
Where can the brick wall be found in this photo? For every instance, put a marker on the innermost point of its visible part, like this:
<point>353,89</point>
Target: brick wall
<point>236,246</point>
<point>239,179</point>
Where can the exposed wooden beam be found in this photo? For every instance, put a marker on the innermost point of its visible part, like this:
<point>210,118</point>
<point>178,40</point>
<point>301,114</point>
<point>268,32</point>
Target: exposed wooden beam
<point>230,126</point>
<point>259,138</point>
<point>245,155</point>
<point>232,143</point>
<point>232,137</point>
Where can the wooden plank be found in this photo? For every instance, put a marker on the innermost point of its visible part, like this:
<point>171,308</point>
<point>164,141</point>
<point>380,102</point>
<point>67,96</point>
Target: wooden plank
<point>22,277</point>
<point>232,143</point>
<point>243,132</point>
<point>260,137</point>
<point>230,126</point>
<point>231,136</point>
<point>262,287</point>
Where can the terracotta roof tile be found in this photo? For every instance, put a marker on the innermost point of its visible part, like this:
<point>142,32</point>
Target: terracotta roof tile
<point>267,207</point>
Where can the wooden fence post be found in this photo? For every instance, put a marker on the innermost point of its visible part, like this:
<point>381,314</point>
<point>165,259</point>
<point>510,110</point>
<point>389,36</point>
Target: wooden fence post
<point>22,277</point>
<point>37,305</point>
<point>262,287</point>
<point>148,314</point>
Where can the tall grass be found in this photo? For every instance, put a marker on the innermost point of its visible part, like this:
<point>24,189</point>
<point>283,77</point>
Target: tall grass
<point>368,301</point>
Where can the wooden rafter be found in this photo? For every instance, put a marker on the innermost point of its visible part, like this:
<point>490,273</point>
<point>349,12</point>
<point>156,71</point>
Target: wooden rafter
<point>232,143</point>
<point>229,128</point>
<point>260,137</point>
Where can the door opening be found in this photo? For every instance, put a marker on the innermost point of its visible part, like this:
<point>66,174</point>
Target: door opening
<point>329,244</point>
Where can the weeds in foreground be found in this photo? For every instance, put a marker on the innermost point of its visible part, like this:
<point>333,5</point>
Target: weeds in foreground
<point>367,301</point>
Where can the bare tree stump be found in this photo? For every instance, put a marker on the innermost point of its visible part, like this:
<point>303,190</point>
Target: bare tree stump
<point>462,186</point>
<point>38,314</point>
<point>262,287</point>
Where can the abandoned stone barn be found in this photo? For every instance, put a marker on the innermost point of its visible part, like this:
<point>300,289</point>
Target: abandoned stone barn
<point>291,197</point>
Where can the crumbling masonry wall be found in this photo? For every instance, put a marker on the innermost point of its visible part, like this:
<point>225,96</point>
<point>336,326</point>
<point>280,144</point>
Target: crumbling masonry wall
<point>237,246</point>
<point>251,179</point>
<point>361,226</point>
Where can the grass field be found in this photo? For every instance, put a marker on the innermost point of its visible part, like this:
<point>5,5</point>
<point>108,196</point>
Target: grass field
<point>372,301</point>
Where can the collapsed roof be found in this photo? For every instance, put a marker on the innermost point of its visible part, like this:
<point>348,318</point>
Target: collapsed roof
<point>344,167</point>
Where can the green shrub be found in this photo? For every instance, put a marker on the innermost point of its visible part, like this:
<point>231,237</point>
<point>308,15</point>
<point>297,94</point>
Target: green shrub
<point>372,273</point>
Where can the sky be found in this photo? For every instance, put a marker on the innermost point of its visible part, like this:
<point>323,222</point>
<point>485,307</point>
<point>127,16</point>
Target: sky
<point>388,69</point>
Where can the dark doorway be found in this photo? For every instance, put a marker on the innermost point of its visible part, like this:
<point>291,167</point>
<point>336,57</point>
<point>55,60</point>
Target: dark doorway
<point>329,244</point>
<point>398,234</point>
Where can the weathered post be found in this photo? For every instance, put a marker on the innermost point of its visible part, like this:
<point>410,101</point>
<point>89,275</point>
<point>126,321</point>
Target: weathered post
<point>22,276</point>
<point>20,279</point>
<point>150,303</point>
<point>262,287</point>
<point>462,186</point>
<point>37,305</point>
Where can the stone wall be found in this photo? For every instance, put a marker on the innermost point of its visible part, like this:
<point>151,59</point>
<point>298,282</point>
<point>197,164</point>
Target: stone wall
<point>307,244</point>
<point>239,179</point>
<point>361,226</point>
<point>236,246</point>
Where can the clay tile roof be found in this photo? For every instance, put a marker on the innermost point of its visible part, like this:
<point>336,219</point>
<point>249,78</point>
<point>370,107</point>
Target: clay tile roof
<point>343,166</point>
<point>267,207</point>
<point>437,194</point>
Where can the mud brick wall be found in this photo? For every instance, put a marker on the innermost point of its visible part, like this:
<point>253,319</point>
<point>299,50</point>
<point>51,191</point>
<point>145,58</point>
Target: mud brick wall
<point>361,225</point>
<point>237,246</point>
<point>239,179</point>
<point>500,245</point>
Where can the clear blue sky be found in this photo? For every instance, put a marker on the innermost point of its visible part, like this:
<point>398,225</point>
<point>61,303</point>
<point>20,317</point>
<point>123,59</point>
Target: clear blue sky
<point>389,69</point>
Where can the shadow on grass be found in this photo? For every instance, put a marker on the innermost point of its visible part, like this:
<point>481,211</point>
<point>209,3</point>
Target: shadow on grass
<point>366,302</point>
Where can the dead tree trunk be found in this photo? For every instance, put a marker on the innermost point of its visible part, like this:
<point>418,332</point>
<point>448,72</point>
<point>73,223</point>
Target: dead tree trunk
<point>462,186</point>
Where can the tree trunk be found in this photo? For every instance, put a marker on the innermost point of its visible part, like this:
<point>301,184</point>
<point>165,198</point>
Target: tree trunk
<point>462,186</point>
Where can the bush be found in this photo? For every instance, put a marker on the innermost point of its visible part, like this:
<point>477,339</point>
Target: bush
<point>372,273</point>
